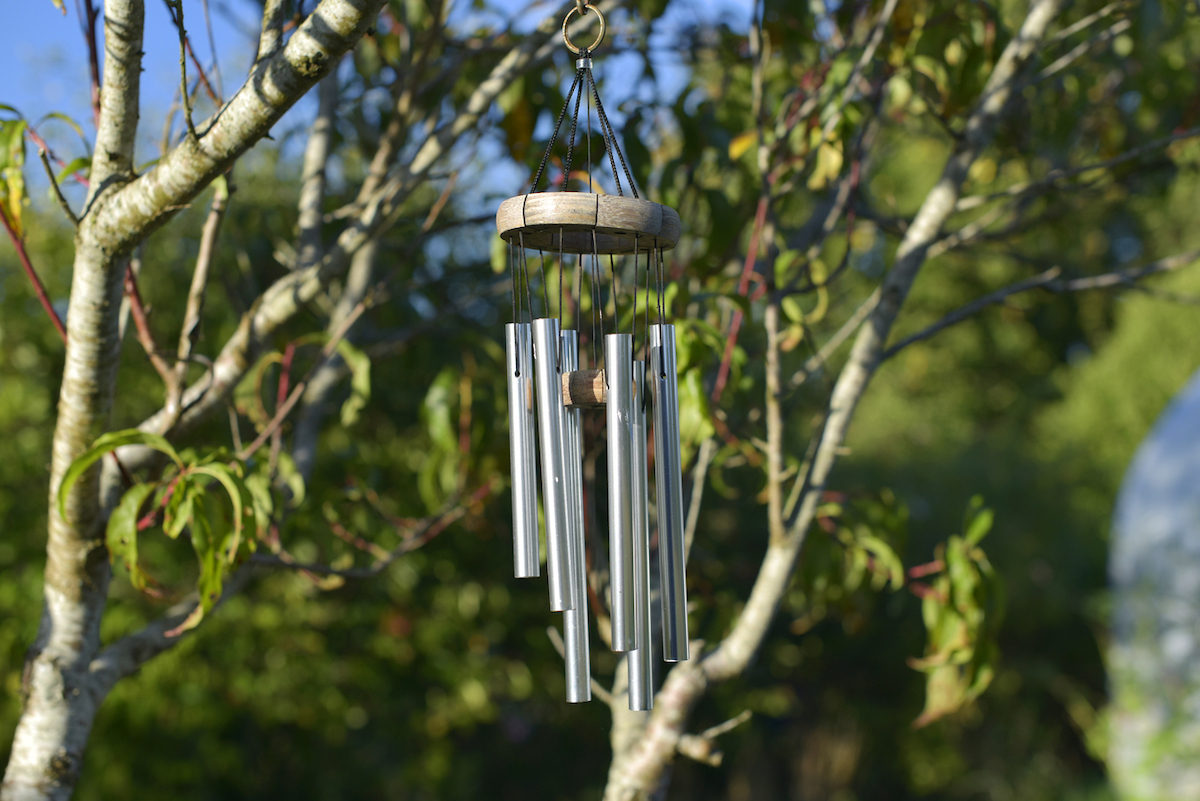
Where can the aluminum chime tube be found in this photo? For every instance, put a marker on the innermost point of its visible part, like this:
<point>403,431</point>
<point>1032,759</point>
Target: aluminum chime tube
<point>640,660</point>
<point>518,344</point>
<point>618,374</point>
<point>575,621</point>
<point>668,474</point>
<point>548,379</point>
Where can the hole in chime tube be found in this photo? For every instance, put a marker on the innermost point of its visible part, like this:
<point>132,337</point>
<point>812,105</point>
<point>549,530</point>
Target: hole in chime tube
<point>563,311</point>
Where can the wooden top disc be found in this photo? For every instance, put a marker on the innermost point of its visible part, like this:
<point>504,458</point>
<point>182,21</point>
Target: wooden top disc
<point>580,222</point>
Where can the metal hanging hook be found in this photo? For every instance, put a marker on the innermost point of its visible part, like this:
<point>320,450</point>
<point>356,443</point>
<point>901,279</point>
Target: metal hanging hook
<point>582,8</point>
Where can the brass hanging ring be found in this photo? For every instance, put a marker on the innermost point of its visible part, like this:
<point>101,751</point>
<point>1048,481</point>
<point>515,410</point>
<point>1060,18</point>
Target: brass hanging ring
<point>599,36</point>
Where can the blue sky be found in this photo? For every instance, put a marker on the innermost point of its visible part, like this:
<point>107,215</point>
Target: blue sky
<point>44,68</point>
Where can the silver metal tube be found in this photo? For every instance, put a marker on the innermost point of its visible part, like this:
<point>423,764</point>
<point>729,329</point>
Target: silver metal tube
<point>518,343</point>
<point>548,379</point>
<point>618,375</point>
<point>640,659</point>
<point>575,621</point>
<point>668,474</point>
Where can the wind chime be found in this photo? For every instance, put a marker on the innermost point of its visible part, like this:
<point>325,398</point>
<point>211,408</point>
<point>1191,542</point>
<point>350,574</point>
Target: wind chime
<point>545,382</point>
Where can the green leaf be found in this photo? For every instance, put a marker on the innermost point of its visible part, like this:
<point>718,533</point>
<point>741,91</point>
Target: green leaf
<point>81,164</point>
<point>207,548</point>
<point>59,5</point>
<point>12,175</point>
<point>179,509</point>
<point>224,474</point>
<point>360,381</point>
<point>979,526</point>
<point>58,115</point>
<point>291,478</point>
<point>121,534</point>
<point>110,442</point>
<point>261,501</point>
<point>360,374</point>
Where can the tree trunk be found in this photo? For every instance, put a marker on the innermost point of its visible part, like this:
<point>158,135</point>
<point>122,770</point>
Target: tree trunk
<point>63,684</point>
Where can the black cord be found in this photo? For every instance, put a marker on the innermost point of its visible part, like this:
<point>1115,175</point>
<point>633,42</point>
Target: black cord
<point>610,140</point>
<point>633,325</point>
<point>574,127</point>
<point>595,293</point>
<point>562,265</point>
<point>512,266</point>
<point>545,295</point>
<point>647,303</point>
<point>554,137</point>
<point>596,270</point>
<point>616,295</point>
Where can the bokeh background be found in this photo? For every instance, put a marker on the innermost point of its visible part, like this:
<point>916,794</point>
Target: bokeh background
<point>437,679</point>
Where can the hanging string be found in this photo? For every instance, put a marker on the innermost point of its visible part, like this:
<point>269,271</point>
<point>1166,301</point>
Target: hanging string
<point>589,127</point>
<point>574,128</point>
<point>579,296</point>
<point>633,325</point>
<point>597,309</point>
<point>616,295</point>
<point>658,268</point>
<point>512,266</point>
<point>562,264</point>
<point>598,270</point>
<point>647,345</point>
<point>610,139</point>
<point>523,277</point>
<point>554,136</point>
<point>542,270</point>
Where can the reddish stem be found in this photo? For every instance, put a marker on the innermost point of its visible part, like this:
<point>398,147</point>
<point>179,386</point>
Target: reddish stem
<point>920,571</point>
<point>87,20</point>
<point>760,219</point>
<point>38,287</point>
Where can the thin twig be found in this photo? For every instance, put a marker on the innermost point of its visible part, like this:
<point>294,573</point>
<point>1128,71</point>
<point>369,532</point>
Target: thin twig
<point>58,195</point>
<point>141,324</point>
<point>284,409</point>
<point>973,201</point>
<point>423,532</point>
<point>189,332</point>
<point>1076,27</point>
<point>1050,281</point>
<point>38,287</point>
<point>177,15</point>
<point>597,689</point>
<point>1068,58</point>
<point>818,359</point>
<point>87,23</point>
<point>704,458</point>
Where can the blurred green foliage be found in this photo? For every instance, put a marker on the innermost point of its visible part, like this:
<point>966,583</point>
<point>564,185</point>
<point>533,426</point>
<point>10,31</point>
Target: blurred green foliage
<point>436,678</point>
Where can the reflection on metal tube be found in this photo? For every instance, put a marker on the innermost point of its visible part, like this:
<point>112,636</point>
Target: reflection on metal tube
<point>575,621</point>
<point>668,474</point>
<point>641,669</point>
<point>548,380</point>
<point>618,372</point>
<point>518,342</point>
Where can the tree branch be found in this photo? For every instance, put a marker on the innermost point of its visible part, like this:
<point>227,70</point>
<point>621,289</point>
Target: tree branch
<point>189,332</point>
<point>312,176</point>
<point>142,206</point>
<point>641,771</point>
<point>376,214</point>
<point>1051,281</point>
<point>141,323</point>
<point>58,195</point>
<point>1054,176</point>
<point>112,158</point>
